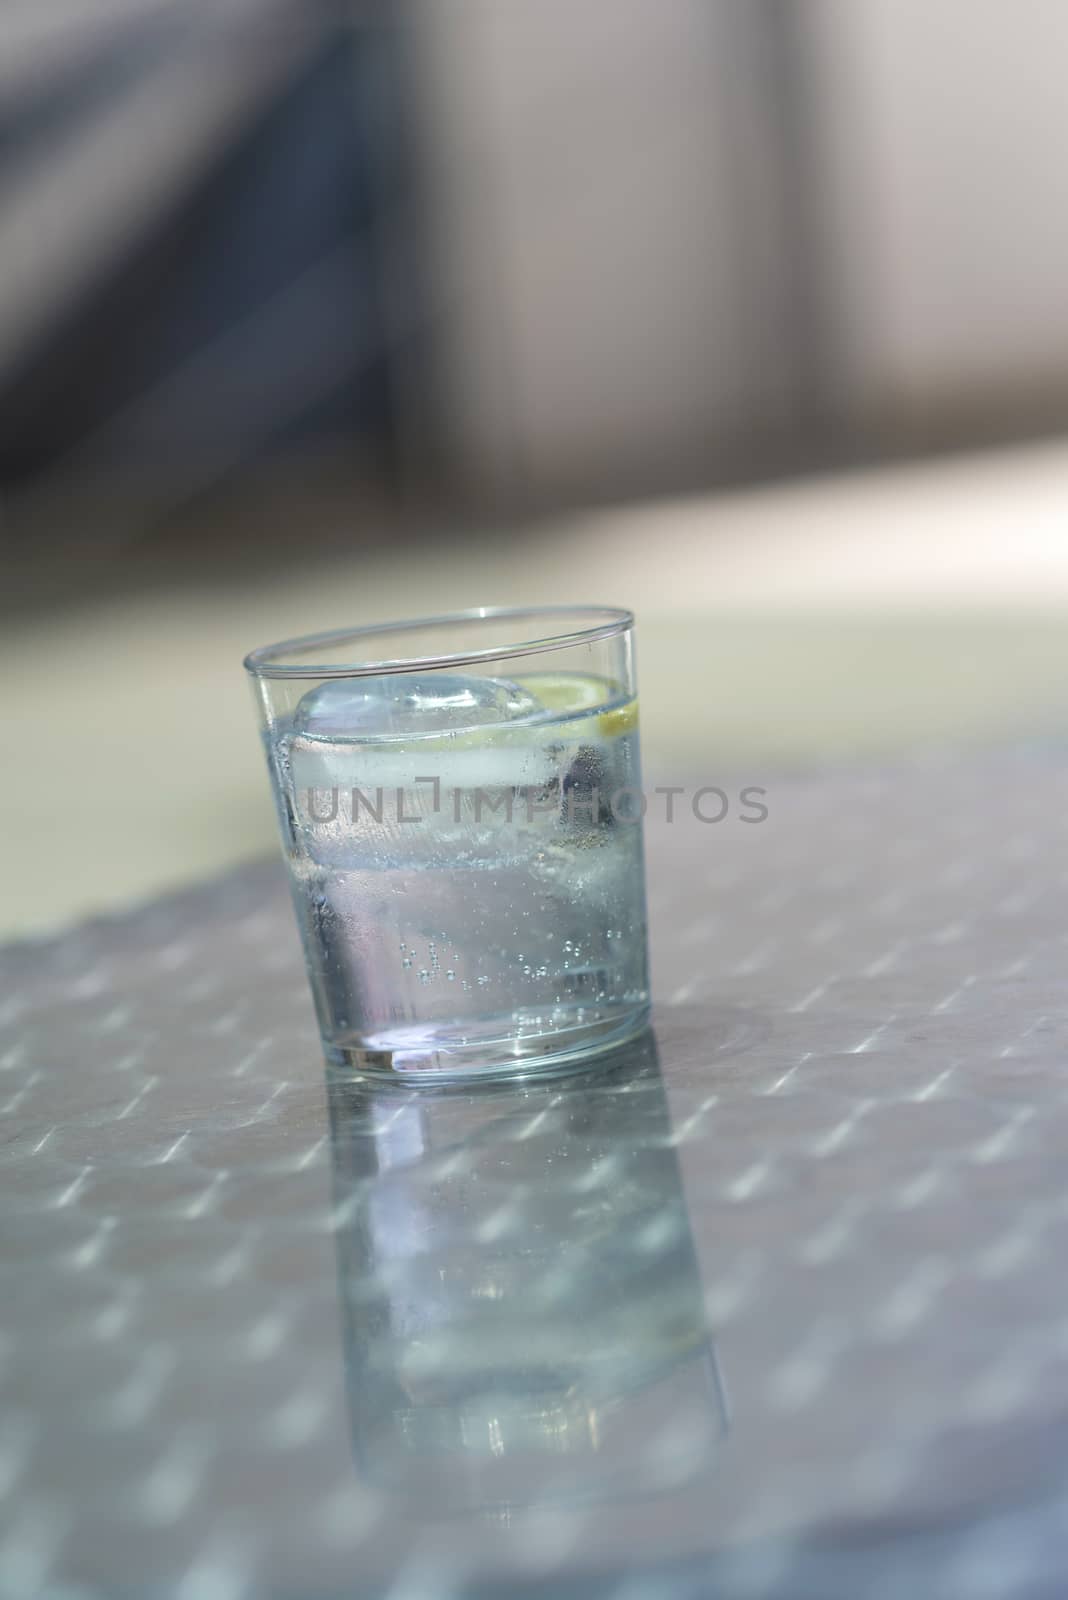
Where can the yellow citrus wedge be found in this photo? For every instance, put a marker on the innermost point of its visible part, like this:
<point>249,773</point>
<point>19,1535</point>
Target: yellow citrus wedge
<point>572,692</point>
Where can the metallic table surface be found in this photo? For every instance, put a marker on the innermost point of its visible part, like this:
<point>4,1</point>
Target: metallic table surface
<point>775,1305</point>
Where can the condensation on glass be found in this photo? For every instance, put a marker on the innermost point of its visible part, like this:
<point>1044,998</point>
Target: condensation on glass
<point>460,807</point>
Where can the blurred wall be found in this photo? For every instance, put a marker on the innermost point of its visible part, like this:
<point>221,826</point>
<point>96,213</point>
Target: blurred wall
<point>939,134</point>
<point>611,214</point>
<point>705,240</point>
<point>516,254</point>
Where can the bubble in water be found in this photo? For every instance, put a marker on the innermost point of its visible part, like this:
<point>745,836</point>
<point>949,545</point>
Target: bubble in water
<point>450,975</point>
<point>424,976</point>
<point>407,962</point>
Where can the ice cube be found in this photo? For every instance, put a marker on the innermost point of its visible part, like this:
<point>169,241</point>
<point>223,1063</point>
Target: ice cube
<point>404,731</point>
<point>406,705</point>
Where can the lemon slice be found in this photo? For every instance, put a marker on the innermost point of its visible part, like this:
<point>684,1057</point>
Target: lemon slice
<point>572,692</point>
<point>568,691</point>
<point>621,719</point>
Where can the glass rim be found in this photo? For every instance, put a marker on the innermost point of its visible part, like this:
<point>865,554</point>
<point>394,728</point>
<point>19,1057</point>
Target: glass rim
<point>265,661</point>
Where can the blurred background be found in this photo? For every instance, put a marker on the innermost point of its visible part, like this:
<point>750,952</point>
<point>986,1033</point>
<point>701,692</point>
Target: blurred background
<point>746,313</point>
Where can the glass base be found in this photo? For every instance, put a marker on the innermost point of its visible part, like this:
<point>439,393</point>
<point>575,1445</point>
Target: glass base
<point>499,1047</point>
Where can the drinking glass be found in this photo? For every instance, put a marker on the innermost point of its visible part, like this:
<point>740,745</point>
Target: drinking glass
<point>460,806</point>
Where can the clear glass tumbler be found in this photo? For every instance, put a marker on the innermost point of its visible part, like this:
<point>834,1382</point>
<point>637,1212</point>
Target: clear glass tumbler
<point>460,805</point>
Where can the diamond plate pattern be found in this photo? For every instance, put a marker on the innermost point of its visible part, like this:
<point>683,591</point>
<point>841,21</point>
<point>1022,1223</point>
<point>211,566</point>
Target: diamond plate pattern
<point>265,1337</point>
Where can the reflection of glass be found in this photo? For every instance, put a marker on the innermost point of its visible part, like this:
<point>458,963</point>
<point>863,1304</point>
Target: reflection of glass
<point>523,1310</point>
